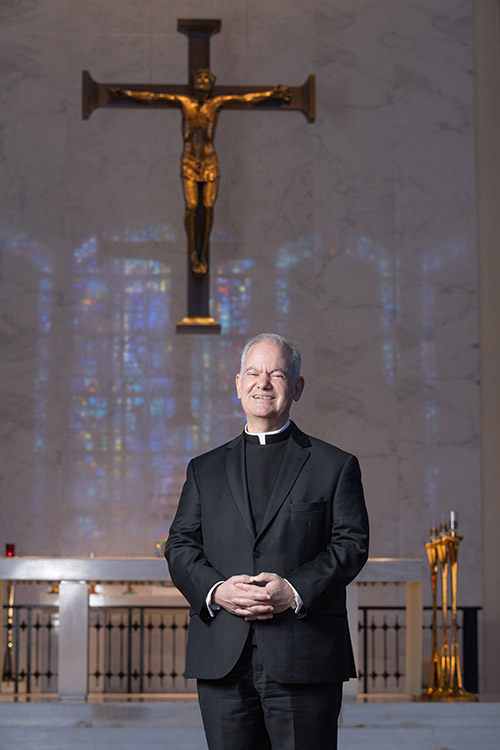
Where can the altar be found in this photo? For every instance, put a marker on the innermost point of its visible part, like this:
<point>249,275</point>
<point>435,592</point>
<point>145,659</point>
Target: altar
<point>75,580</point>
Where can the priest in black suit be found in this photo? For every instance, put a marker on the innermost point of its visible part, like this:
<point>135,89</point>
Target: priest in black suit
<point>270,529</point>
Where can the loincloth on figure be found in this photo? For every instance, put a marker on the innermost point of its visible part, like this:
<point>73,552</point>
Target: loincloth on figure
<point>200,170</point>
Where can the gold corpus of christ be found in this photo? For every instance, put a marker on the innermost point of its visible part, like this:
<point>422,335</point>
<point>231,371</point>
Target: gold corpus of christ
<point>445,683</point>
<point>201,102</point>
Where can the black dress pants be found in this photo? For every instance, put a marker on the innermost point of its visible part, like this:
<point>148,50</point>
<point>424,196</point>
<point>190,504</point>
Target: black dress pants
<point>246,710</point>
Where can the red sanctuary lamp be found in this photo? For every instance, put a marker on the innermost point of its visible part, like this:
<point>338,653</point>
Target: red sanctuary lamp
<point>10,550</point>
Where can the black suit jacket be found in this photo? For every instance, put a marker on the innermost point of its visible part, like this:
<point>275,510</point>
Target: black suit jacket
<point>315,534</point>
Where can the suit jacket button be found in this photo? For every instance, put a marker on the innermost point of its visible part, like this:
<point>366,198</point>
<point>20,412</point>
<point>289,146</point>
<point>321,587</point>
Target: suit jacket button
<point>256,553</point>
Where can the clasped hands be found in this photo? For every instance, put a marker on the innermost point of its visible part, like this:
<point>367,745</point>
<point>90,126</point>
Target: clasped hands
<point>240,596</point>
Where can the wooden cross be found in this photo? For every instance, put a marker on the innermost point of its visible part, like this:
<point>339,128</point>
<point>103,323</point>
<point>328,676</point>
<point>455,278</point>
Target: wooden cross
<point>201,103</point>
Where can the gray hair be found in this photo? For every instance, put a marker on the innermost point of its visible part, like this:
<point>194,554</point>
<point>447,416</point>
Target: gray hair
<point>288,346</point>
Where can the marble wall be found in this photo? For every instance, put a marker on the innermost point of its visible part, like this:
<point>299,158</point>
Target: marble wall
<point>354,235</point>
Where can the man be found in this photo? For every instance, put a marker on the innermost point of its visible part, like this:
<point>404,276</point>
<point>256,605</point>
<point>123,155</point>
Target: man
<point>270,529</point>
<point>199,163</point>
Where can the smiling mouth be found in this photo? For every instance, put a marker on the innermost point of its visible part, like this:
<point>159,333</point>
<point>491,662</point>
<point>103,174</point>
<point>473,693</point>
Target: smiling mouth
<point>263,398</point>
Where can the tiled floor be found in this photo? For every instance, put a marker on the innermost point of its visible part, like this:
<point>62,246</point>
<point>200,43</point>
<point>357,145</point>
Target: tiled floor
<point>177,726</point>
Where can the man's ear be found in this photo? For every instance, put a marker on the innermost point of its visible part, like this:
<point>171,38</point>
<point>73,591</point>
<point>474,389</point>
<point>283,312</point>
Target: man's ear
<point>299,387</point>
<point>238,385</point>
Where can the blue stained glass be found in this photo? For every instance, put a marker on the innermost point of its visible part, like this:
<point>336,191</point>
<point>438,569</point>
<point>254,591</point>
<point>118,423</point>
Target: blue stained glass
<point>128,417</point>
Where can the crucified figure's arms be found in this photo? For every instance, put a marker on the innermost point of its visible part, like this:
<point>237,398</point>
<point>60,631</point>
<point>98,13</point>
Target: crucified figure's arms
<point>277,92</point>
<point>146,97</point>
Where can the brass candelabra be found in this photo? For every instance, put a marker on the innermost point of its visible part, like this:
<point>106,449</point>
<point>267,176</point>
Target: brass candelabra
<point>445,683</point>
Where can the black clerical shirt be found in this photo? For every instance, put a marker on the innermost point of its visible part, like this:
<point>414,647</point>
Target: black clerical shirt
<point>263,463</point>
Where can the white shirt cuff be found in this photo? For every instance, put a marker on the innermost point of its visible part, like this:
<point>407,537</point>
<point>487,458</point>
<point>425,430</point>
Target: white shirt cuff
<point>211,606</point>
<point>298,603</point>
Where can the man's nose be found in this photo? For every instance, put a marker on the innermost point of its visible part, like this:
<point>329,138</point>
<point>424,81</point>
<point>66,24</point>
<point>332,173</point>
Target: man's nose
<point>264,380</point>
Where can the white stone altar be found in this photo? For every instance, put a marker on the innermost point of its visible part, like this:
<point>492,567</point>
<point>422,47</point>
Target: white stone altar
<point>74,576</point>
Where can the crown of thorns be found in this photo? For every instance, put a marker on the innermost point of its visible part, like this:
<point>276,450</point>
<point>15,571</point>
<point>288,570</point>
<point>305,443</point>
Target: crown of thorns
<point>202,73</point>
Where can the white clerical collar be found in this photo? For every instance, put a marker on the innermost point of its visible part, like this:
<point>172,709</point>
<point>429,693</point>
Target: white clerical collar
<point>262,435</point>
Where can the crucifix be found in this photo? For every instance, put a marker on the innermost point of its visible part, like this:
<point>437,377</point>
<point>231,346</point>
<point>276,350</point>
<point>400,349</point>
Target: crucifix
<point>201,102</point>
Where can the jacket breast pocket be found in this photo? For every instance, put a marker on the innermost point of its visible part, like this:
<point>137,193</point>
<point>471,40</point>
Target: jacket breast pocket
<point>310,527</point>
<point>314,507</point>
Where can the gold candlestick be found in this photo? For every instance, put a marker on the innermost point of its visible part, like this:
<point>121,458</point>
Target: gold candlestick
<point>435,689</point>
<point>445,682</point>
<point>455,690</point>
<point>442,550</point>
<point>8,671</point>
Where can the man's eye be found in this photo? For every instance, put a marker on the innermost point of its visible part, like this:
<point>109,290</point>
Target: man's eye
<point>278,376</point>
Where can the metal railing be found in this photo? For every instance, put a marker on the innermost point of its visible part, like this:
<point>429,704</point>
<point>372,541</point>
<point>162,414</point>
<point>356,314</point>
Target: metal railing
<point>30,666</point>
<point>141,650</point>
<point>138,650</point>
<point>382,644</point>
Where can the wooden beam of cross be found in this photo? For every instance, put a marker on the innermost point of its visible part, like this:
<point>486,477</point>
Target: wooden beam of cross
<point>201,102</point>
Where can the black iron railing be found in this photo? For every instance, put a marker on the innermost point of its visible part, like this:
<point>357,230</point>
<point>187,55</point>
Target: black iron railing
<point>31,664</point>
<point>382,647</point>
<point>142,649</point>
<point>138,650</point>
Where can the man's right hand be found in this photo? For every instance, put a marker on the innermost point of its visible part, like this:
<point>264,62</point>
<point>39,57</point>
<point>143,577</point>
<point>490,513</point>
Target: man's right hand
<point>252,600</point>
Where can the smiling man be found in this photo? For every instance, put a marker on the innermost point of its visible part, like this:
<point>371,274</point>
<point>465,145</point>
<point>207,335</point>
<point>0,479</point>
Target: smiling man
<point>270,529</point>
<point>267,385</point>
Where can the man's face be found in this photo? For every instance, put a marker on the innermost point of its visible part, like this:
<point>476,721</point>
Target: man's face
<point>266,388</point>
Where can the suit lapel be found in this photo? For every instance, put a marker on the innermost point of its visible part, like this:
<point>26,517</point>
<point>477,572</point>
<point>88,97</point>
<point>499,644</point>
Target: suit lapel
<point>296,455</point>
<point>236,477</point>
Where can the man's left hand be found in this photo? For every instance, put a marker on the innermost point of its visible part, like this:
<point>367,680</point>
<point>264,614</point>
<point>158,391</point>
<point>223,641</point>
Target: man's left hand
<point>281,593</point>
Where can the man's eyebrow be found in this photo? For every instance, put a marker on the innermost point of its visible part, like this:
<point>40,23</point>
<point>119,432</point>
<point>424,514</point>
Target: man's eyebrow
<point>256,369</point>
